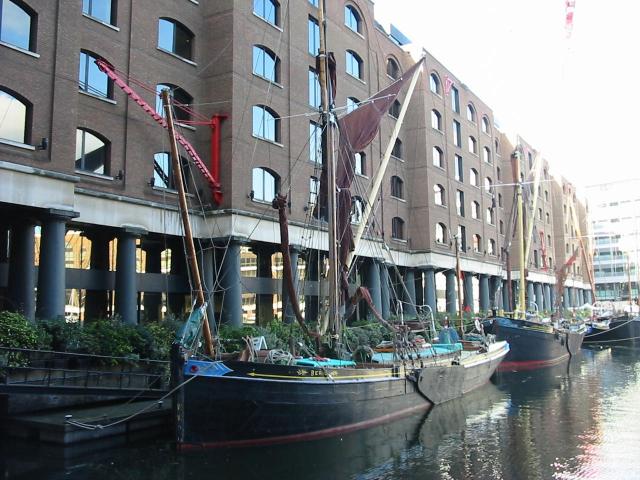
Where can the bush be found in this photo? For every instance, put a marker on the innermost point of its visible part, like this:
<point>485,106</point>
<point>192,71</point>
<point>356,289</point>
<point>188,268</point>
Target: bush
<point>16,332</point>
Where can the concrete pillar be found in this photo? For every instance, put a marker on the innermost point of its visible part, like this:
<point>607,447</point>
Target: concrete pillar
<point>419,287</point>
<point>566,298</point>
<point>588,296</point>
<point>51,272</point>
<point>506,304</point>
<point>230,282</point>
<point>153,264</point>
<point>288,316</point>
<point>264,301</point>
<point>484,293</point>
<point>429,294</point>
<point>552,297</point>
<point>22,269</point>
<point>176,300</point>
<point>546,292</point>
<point>467,286</point>
<point>450,292</point>
<point>385,294</point>
<point>372,281</point>
<point>409,293</point>
<point>581,297</point>
<point>96,302</point>
<point>205,264</point>
<point>538,296</point>
<point>126,286</point>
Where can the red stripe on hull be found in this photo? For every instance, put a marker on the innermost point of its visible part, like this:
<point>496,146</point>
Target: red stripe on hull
<point>299,437</point>
<point>530,364</point>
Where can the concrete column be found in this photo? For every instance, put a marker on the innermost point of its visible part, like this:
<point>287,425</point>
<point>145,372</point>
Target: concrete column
<point>430,289</point>
<point>126,286</point>
<point>385,294</point>
<point>230,282</point>
<point>176,300</point>
<point>450,292</point>
<point>153,264</point>
<point>372,281</point>
<point>467,286</point>
<point>288,314</point>
<point>96,302</point>
<point>484,293</point>
<point>495,293</point>
<point>530,294</point>
<point>506,304</point>
<point>566,298</point>
<point>552,296</point>
<point>538,295</point>
<point>581,297</point>
<point>51,272</point>
<point>546,292</point>
<point>588,296</point>
<point>22,269</point>
<point>419,286</point>
<point>264,301</point>
<point>409,293</point>
<point>205,264</point>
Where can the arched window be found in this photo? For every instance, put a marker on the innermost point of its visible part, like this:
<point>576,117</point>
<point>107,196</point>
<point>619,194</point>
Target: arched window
<point>357,209</point>
<point>475,210</point>
<point>267,10</point>
<point>486,154</point>
<point>485,125</point>
<point>434,83</point>
<point>397,149</point>
<point>397,187</point>
<point>91,79</point>
<point>17,25</point>
<point>393,69</point>
<point>491,218</point>
<point>352,104</point>
<point>394,109</point>
<point>438,157</point>
<point>352,19</point>
<point>500,200</point>
<point>92,152</point>
<point>536,259</point>
<point>501,227</point>
<point>546,195</point>
<point>354,64</point>
<point>175,38</point>
<point>163,171</point>
<point>491,247</point>
<point>264,185</point>
<point>473,145</point>
<point>496,144</point>
<point>455,99</point>
<point>471,113</point>
<point>441,233</point>
<point>180,97</point>
<point>360,163</point>
<point>473,177</point>
<point>436,120</point>
<point>498,173</point>
<point>16,117</point>
<point>439,195</point>
<point>103,10</point>
<point>397,228</point>
<point>266,123</point>
<point>488,184</point>
<point>548,218</point>
<point>266,64</point>
<point>477,243</point>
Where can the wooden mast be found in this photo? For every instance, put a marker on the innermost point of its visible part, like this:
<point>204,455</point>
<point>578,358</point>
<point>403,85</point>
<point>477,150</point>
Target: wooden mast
<point>184,213</point>
<point>457,247</point>
<point>334,297</point>
<point>521,308</point>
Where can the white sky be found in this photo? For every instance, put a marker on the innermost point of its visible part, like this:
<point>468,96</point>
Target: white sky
<point>576,100</point>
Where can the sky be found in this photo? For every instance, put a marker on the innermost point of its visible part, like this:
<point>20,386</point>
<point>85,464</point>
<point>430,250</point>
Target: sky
<point>576,99</point>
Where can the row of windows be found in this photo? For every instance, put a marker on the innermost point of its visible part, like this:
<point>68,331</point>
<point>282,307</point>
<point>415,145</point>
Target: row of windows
<point>442,238</point>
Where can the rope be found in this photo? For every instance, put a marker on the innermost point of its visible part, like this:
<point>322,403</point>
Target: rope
<point>610,329</point>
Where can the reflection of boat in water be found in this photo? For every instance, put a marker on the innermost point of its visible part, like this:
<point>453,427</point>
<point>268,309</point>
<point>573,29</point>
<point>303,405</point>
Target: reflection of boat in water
<point>614,329</point>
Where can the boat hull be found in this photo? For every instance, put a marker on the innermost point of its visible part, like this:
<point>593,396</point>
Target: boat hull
<point>533,346</point>
<point>621,331</point>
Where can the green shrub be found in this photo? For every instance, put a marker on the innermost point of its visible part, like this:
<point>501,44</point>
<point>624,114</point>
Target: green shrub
<point>16,332</point>
<point>63,336</point>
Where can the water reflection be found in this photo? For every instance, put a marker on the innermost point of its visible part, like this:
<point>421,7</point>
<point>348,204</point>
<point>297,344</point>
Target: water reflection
<point>575,420</point>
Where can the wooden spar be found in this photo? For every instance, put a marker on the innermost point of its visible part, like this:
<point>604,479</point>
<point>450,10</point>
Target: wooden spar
<point>532,215</point>
<point>521,307</point>
<point>332,210</point>
<point>457,246</point>
<point>377,180</point>
<point>184,213</point>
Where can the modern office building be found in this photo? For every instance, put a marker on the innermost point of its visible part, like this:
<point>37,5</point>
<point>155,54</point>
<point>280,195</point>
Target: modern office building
<point>84,170</point>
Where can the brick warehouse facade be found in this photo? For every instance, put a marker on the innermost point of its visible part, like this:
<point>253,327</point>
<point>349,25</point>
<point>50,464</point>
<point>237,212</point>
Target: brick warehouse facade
<point>95,188</point>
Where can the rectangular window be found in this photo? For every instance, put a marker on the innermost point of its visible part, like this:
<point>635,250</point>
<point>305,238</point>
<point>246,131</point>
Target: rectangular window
<point>457,134</point>
<point>360,167</point>
<point>314,36</point>
<point>462,238</point>
<point>315,142</point>
<point>460,202</point>
<point>457,164</point>
<point>455,100</point>
<point>314,89</point>
<point>99,9</point>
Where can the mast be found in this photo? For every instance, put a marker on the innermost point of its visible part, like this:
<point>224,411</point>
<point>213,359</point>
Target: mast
<point>184,213</point>
<point>522,308</point>
<point>332,220</point>
<point>458,281</point>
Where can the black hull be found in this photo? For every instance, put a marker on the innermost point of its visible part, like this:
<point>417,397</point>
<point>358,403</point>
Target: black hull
<point>246,404</point>
<point>621,331</point>
<point>533,346</point>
